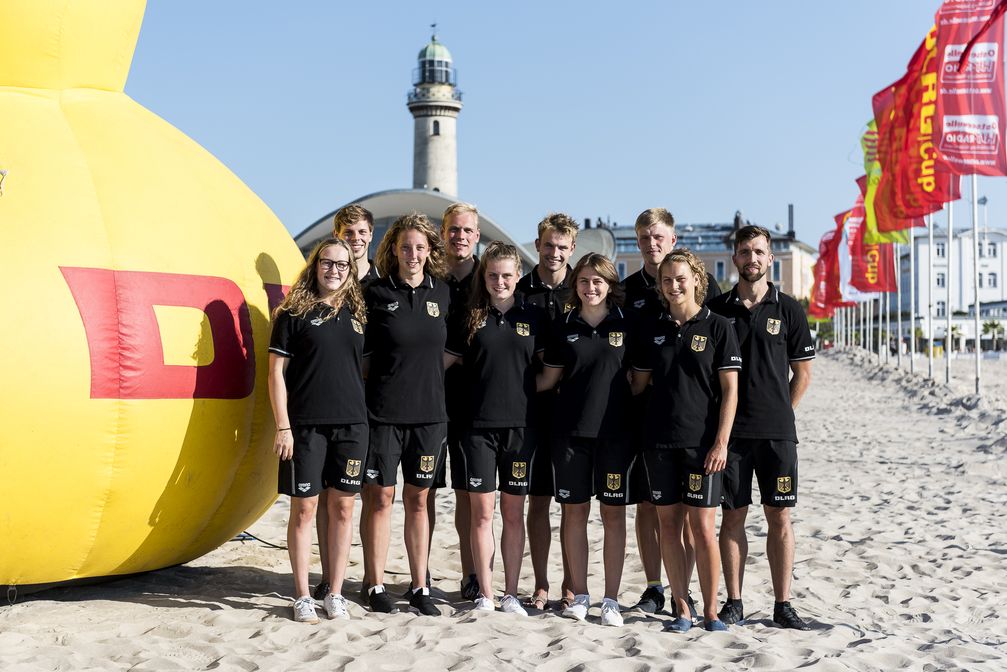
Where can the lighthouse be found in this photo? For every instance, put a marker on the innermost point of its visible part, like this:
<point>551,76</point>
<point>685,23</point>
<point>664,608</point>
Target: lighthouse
<point>435,102</point>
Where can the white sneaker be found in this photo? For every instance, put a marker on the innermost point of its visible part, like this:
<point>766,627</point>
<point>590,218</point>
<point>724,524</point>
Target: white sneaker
<point>304,610</point>
<point>335,607</point>
<point>610,612</point>
<point>511,605</point>
<point>578,610</point>
<point>484,603</point>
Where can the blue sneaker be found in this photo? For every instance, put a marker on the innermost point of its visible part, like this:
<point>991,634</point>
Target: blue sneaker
<point>678,625</point>
<point>715,626</point>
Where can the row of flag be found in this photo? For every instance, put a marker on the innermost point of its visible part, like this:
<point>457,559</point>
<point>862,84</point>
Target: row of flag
<point>937,122</point>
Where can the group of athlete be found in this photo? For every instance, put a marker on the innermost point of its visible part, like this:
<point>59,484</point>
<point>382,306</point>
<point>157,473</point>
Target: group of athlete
<point>562,384</point>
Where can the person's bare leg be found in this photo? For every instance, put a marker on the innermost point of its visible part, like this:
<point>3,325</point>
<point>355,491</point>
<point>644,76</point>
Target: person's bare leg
<point>780,550</point>
<point>690,549</point>
<point>672,519</point>
<point>565,587</point>
<point>703,522</point>
<point>575,541</point>
<point>734,550</point>
<point>512,540</point>
<point>415,501</point>
<point>379,501</point>
<point>322,525</point>
<point>539,542</point>
<point>302,519</point>
<point>613,519</point>
<point>648,540</point>
<point>339,536</point>
<point>463,526</point>
<point>483,543</point>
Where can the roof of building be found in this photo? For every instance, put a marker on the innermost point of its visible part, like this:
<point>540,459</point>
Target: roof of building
<point>434,51</point>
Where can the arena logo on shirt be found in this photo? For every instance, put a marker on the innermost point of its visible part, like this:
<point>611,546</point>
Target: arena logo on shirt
<point>659,340</point>
<point>639,303</point>
<point>615,339</point>
<point>393,306</point>
<point>433,309</point>
<point>698,343</point>
<point>318,321</point>
<point>572,338</point>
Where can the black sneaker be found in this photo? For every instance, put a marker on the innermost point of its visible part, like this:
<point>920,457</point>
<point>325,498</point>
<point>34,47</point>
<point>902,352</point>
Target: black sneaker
<point>409,591</point>
<point>785,617</point>
<point>470,588</point>
<point>421,602</point>
<point>692,607</point>
<point>321,590</point>
<point>732,613</point>
<point>381,602</point>
<point>651,602</point>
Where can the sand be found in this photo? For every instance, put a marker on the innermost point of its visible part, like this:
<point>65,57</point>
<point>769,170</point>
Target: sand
<point>900,565</point>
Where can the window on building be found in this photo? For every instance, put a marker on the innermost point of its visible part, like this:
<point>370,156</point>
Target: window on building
<point>777,271</point>
<point>437,127</point>
<point>941,281</point>
<point>720,268</point>
<point>991,250</point>
<point>626,245</point>
<point>939,249</point>
<point>991,280</point>
<point>941,309</point>
<point>979,277</point>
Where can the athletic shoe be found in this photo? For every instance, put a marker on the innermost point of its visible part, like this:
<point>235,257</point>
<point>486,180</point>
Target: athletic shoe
<point>732,613</point>
<point>484,604</point>
<point>511,605</point>
<point>422,604</point>
<point>785,617</point>
<point>335,607</point>
<point>304,610</point>
<point>678,625</point>
<point>715,626</point>
<point>692,607</point>
<point>651,602</point>
<point>610,614</point>
<point>578,610</point>
<point>470,588</point>
<point>380,601</point>
<point>321,590</point>
<point>409,590</point>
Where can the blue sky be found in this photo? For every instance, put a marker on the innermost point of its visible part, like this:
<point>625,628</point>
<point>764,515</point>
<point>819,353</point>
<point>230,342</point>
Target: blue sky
<point>591,108</point>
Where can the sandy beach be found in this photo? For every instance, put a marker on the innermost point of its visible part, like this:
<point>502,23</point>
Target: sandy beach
<point>900,564</point>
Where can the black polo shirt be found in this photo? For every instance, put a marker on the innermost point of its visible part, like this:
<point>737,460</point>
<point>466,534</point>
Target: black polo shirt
<point>372,275</point>
<point>454,383</point>
<point>551,299</point>
<point>685,363</point>
<point>594,393</point>
<point>642,293</point>
<point>325,385</point>
<point>498,378</point>
<point>406,333</point>
<point>772,334</point>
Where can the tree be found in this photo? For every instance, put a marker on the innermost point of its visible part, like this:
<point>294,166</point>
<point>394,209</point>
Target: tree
<point>993,327</point>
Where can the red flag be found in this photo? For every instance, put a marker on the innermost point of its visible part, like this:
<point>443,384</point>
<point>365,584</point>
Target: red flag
<point>871,265</point>
<point>997,12</point>
<point>970,112</point>
<point>817,305</point>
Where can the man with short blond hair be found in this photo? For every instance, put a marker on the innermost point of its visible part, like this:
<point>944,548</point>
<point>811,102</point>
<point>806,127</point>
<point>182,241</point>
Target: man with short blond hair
<point>355,224</point>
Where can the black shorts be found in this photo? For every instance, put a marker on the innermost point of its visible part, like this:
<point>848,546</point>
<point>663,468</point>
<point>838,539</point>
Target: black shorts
<point>774,463</point>
<point>507,452</point>
<point>677,476</point>
<point>541,473</point>
<point>325,456</point>
<point>639,490</point>
<point>586,466</point>
<point>419,448</point>
<point>454,462</point>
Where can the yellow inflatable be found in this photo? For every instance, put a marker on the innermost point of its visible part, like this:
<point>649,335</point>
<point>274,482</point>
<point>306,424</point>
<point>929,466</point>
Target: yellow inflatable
<point>138,277</point>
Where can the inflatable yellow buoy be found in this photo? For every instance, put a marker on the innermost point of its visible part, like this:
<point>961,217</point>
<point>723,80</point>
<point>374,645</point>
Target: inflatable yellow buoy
<point>138,277</point>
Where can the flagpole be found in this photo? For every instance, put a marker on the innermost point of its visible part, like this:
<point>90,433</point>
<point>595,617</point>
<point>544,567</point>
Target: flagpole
<point>975,272</point>
<point>898,304</point>
<point>912,301</point>
<point>950,277</point>
<point>930,297</point>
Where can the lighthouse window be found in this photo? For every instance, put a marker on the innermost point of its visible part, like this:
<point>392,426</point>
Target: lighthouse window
<point>437,128</point>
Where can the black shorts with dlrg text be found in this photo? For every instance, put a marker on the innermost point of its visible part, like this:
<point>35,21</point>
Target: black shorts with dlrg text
<point>325,456</point>
<point>504,454</point>
<point>586,466</point>
<point>419,449</point>
<point>678,476</point>
<point>774,463</point>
